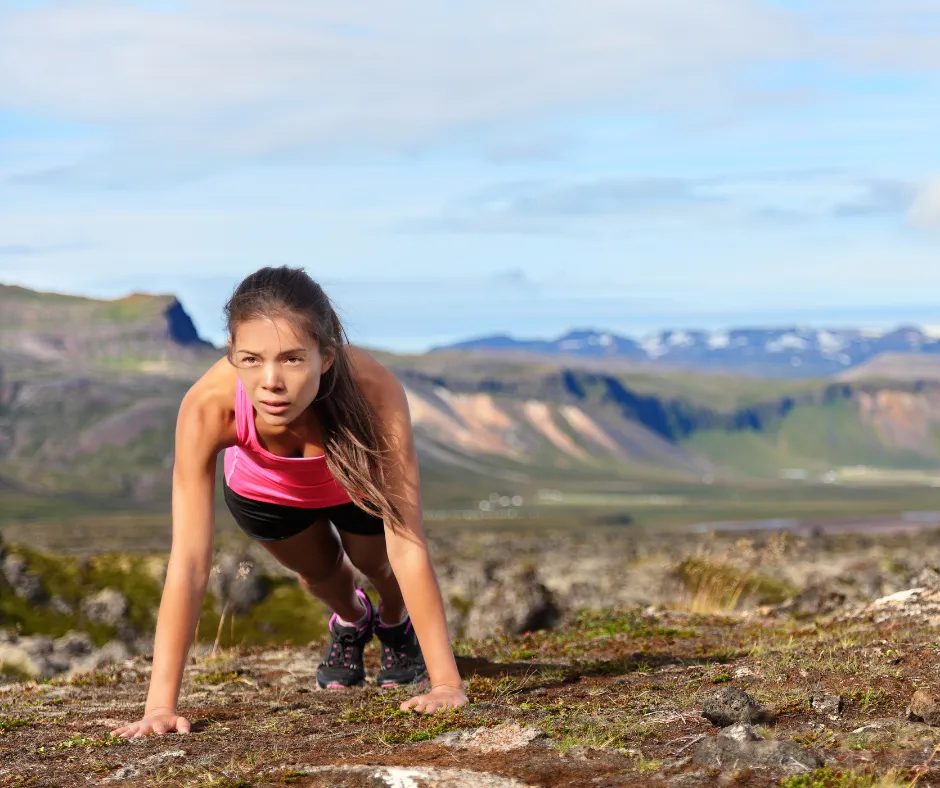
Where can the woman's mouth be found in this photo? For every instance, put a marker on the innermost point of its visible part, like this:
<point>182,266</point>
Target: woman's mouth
<point>274,408</point>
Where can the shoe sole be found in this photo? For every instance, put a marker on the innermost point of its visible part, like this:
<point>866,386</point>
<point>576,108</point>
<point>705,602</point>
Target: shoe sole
<point>333,685</point>
<point>418,680</point>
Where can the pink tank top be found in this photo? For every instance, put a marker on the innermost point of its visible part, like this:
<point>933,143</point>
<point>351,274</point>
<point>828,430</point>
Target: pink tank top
<point>254,472</point>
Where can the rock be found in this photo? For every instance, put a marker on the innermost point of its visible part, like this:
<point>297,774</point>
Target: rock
<point>127,632</point>
<point>732,750</point>
<point>515,602</point>
<point>143,767</point>
<point>928,577</point>
<point>39,656</point>
<point>730,705</point>
<point>15,657</point>
<point>237,581</point>
<point>400,777</point>
<point>504,737</point>
<point>59,605</point>
<point>900,597</point>
<point>818,599</point>
<point>31,655</point>
<point>25,585</point>
<point>108,606</point>
<point>740,732</point>
<point>111,652</point>
<point>924,707</point>
<point>37,645</point>
<point>73,644</point>
<point>743,673</point>
<point>156,568</point>
<point>692,780</point>
<point>830,705</point>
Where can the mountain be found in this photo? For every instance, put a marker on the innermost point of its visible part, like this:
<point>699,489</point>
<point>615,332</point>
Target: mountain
<point>140,332</point>
<point>896,366</point>
<point>89,392</point>
<point>792,352</point>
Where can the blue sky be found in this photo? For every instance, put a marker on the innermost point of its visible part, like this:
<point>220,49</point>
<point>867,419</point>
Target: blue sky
<point>455,169</point>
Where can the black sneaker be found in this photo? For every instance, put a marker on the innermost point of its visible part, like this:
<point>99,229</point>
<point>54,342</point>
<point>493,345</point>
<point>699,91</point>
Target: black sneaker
<point>342,663</point>
<point>402,660</point>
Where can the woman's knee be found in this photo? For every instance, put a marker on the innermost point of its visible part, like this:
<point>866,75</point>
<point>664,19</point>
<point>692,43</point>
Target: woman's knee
<point>368,555</point>
<point>322,571</point>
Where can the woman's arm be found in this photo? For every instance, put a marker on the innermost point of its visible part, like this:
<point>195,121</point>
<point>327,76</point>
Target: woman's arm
<point>200,433</point>
<point>407,549</point>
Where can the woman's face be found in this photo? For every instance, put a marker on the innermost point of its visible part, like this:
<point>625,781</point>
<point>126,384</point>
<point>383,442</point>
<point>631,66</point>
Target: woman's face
<point>279,367</point>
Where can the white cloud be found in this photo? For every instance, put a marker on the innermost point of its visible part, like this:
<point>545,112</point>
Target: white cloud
<point>251,78</point>
<point>925,212</point>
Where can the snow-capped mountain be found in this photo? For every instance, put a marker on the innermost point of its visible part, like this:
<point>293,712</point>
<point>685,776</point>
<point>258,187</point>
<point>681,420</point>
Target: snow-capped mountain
<point>785,352</point>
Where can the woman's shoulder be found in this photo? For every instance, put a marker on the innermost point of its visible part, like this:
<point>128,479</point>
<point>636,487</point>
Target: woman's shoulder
<point>210,402</point>
<point>373,378</point>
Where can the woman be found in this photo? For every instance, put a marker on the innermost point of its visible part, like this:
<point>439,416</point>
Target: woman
<point>320,468</point>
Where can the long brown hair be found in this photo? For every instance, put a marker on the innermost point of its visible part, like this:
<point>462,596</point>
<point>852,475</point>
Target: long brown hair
<point>347,420</point>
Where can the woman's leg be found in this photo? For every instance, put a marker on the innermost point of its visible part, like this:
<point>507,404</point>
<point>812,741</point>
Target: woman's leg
<point>369,556</point>
<point>318,558</point>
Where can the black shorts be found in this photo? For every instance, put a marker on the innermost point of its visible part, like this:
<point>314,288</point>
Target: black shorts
<point>269,522</point>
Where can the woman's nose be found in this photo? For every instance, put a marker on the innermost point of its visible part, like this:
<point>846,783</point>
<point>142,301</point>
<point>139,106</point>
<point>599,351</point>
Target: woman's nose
<point>272,376</point>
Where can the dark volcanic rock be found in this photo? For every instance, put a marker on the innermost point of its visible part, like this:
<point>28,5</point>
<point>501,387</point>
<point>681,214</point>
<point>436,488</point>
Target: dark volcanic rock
<point>739,747</point>
<point>26,585</point>
<point>827,704</point>
<point>514,603</point>
<point>108,606</point>
<point>730,705</point>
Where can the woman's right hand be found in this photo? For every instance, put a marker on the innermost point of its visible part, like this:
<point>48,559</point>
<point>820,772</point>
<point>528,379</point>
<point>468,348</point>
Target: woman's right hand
<point>159,722</point>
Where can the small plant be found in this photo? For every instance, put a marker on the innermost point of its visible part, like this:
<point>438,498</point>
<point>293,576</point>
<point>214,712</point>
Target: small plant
<point>88,742</point>
<point>97,678</point>
<point>716,586</point>
<point>216,677</point>
<point>8,724</point>
<point>867,698</point>
<point>829,778</point>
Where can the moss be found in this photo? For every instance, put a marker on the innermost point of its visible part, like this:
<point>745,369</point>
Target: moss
<point>130,576</point>
<point>216,677</point>
<point>8,724</point>
<point>830,778</point>
<point>416,728</point>
<point>64,577</point>
<point>89,742</point>
<point>14,672</point>
<point>287,615</point>
<point>461,605</point>
<point>31,619</point>
<point>596,623</point>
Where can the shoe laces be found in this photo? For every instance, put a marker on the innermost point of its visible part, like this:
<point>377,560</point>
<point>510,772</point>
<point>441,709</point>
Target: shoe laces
<point>342,646</point>
<point>395,654</point>
<point>340,654</point>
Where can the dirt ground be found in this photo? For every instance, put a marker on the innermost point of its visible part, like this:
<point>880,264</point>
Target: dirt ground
<point>617,696</point>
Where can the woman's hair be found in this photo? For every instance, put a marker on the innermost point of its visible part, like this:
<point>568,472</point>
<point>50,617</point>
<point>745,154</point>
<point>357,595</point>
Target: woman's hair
<point>347,421</point>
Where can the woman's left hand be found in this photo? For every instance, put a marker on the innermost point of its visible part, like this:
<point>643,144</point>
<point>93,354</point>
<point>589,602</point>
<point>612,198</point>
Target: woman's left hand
<point>435,700</point>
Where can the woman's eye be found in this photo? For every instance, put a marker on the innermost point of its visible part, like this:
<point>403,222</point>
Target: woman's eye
<point>295,360</point>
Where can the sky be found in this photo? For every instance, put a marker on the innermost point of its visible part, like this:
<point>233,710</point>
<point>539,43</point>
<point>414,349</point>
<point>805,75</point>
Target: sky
<point>449,169</point>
